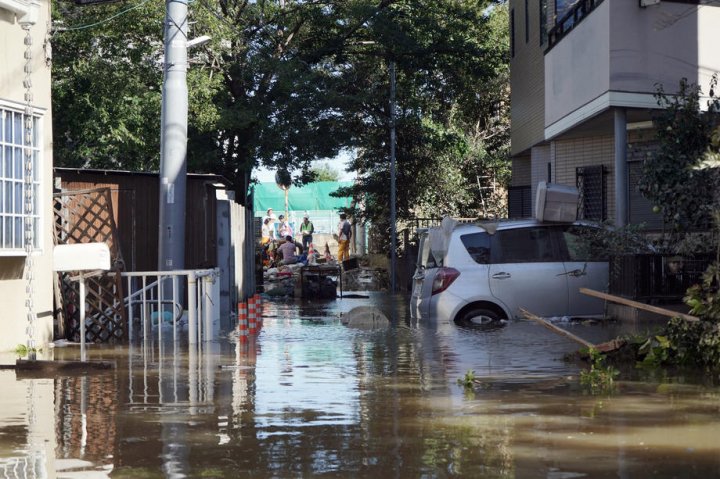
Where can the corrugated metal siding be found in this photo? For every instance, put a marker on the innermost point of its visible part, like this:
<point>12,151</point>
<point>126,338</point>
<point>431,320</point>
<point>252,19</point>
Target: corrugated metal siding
<point>135,200</point>
<point>520,171</point>
<point>527,81</point>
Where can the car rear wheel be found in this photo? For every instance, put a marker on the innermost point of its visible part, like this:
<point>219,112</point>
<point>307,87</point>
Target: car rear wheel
<point>481,318</point>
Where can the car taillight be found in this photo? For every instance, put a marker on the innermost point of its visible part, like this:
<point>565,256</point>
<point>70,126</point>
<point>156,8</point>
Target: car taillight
<point>443,279</point>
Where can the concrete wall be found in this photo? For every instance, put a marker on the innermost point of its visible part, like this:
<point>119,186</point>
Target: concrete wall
<point>541,156</point>
<point>576,69</point>
<point>619,53</point>
<point>13,320</point>
<point>658,44</point>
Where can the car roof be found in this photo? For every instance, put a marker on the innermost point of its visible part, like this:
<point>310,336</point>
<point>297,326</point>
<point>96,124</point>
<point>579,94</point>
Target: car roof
<point>505,224</point>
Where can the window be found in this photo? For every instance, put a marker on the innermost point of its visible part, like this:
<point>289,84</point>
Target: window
<point>591,186</point>
<point>524,245</point>
<point>527,22</point>
<point>562,7</point>
<point>543,22</point>
<point>519,202</point>
<point>585,243</point>
<point>478,245</point>
<point>512,33</point>
<point>12,181</point>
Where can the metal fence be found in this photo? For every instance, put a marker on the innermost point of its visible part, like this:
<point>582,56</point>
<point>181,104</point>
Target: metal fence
<point>156,298</point>
<point>651,277</point>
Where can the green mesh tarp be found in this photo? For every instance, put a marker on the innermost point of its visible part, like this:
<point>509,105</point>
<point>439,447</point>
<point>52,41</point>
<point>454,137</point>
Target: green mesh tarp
<point>311,197</point>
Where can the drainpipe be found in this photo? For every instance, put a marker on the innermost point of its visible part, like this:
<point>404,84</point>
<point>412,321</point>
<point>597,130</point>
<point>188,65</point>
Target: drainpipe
<point>621,170</point>
<point>27,12</point>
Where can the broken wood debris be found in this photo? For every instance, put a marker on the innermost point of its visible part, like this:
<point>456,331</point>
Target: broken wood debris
<point>638,305</point>
<point>605,347</point>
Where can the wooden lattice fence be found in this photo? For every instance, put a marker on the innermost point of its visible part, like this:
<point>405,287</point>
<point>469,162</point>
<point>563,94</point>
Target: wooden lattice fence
<point>83,217</point>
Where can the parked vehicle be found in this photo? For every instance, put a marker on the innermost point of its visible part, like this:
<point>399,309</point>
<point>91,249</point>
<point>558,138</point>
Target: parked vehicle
<point>485,272</point>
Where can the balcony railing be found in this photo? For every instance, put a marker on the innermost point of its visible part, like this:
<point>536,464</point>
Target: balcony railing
<point>570,20</point>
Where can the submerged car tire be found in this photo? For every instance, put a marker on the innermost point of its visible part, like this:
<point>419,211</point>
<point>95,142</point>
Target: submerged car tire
<point>480,318</point>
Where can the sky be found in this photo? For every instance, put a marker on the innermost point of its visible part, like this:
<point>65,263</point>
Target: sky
<point>338,163</point>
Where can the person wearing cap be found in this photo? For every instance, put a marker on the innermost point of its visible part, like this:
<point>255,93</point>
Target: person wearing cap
<point>284,228</point>
<point>306,230</point>
<point>271,218</point>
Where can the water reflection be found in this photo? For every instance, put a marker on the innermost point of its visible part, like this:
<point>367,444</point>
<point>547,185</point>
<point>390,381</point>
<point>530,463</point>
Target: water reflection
<point>310,396</point>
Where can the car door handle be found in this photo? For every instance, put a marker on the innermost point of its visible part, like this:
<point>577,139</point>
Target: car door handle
<point>419,276</point>
<point>501,275</point>
<point>575,273</point>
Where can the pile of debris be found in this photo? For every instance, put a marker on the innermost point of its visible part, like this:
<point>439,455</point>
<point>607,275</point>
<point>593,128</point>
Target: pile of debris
<point>281,281</point>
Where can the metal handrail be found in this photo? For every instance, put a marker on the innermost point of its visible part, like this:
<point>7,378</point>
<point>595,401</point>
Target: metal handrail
<point>570,20</point>
<point>202,307</point>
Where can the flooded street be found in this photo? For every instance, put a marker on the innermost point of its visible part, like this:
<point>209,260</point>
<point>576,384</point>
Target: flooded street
<point>313,397</point>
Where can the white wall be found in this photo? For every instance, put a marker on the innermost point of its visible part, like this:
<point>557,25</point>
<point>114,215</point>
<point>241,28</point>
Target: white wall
<point>576,69</point>
<point>12,285</point>
<point>619,53</point>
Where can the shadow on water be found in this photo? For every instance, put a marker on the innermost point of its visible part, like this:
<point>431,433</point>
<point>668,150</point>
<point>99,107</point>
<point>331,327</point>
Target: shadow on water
<point>311,396</point>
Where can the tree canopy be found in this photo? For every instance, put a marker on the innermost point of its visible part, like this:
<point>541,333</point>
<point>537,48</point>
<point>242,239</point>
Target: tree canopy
<point>672,177</point>
<point>284,83</point>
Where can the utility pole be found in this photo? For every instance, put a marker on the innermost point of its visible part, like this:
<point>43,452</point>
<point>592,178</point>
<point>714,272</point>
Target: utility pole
<point>393,229</point>
<point>173,139</point>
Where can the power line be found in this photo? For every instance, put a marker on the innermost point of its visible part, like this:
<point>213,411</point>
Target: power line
<point>106,20</point>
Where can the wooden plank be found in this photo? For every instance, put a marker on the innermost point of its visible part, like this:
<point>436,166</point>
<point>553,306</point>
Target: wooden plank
<point>635,304</point>
<point>557,330</point>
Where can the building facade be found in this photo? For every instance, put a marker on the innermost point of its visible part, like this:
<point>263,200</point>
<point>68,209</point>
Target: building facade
<point>25,134</point>
<point>583,76</point>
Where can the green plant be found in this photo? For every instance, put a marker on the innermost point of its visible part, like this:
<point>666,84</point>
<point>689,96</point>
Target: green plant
<point>599,378</point>
<point>468,380</point>
<point>656,351</point>
<point>611,240</point>
<point>22,350</point>
<point>671,179</point>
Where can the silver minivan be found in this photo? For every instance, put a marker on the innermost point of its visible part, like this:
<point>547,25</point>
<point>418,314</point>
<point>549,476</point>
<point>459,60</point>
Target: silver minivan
<point>486,272</point>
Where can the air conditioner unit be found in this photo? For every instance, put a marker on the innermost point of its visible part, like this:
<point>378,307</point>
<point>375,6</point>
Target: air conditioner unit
<point>555,202</point>
<point>647,3</point>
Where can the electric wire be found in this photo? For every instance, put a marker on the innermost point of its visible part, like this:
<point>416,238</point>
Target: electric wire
<point>106,20</point>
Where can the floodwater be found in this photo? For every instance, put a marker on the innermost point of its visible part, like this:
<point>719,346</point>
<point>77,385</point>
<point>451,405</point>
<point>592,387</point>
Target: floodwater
<point>311,397</point>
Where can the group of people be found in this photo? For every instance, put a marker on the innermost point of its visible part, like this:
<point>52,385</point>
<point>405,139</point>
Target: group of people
<point>282,248</point>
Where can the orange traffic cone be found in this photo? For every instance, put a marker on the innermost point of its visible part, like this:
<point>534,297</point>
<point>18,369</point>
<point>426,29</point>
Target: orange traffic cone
<point>252,324</point>
<point>242,323</point>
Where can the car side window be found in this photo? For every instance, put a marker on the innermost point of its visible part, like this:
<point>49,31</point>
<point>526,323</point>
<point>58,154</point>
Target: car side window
<point>478,246</point>
<point>525,245</point>
<point>584,243</point>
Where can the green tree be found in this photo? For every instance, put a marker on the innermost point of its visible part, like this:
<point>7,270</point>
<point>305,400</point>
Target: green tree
<point>107,81</point>
<point>324,172</point>
<point>285,83</point>
<point>685,194</point>
<point>452,118</point>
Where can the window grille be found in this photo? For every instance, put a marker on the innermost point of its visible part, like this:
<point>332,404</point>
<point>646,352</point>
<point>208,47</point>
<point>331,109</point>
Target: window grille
<point>593,198</point>
<point>519,202</point>
<point>12,175</point>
